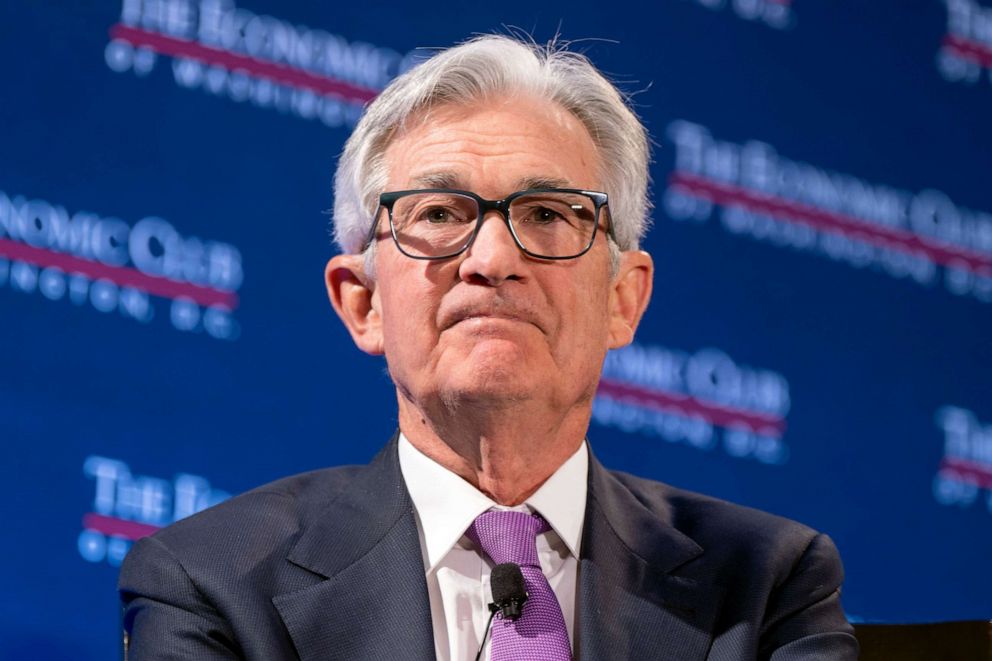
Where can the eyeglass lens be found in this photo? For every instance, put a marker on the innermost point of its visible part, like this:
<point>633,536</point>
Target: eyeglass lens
<point>546,224</point>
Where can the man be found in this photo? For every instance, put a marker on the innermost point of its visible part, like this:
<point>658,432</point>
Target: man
<point>489,207</point>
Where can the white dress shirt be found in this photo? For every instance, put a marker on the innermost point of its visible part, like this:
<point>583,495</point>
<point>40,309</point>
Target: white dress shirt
<point>458,573</point>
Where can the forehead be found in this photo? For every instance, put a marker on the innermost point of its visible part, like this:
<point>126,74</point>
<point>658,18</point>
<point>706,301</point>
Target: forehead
<point>493,147</point>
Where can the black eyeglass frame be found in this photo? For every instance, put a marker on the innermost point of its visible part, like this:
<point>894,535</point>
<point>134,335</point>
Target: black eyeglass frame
<point>387,200</point>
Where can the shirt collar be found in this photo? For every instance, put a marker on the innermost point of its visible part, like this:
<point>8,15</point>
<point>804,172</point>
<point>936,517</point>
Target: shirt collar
<point>447,505</point>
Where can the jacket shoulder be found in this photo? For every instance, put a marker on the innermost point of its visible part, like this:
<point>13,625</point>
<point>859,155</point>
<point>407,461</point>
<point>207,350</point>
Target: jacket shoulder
<point>203,587</point>
<point>261,520</point>
<point>721,526</point>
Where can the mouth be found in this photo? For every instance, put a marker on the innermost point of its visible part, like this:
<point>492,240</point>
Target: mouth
<point>491,317</point>
<point>486,316</point>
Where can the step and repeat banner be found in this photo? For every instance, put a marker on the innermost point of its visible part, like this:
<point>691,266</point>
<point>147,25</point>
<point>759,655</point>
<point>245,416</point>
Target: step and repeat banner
<point>818,345</point>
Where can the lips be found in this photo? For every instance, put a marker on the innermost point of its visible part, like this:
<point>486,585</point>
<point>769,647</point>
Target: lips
<point>500,310</point>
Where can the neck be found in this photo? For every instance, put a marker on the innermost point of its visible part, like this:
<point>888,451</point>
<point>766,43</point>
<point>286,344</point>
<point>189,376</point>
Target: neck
<point>506,452</point>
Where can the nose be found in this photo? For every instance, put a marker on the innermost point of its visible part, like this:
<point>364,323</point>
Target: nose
<point>493,256</point>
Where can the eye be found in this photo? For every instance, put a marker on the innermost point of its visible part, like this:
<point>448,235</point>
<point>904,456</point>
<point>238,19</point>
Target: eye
<point>438,215</point>
<point>545,215</point>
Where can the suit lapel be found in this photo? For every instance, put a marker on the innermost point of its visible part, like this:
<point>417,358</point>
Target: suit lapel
<point>639,594</point>
<point>373,601</point>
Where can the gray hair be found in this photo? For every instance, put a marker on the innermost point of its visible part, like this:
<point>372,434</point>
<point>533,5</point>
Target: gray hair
<point>474,70</point>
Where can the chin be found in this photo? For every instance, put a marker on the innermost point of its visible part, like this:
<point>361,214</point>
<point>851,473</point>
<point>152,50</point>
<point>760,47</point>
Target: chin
<point>495,385</point>
<point>482,400</point>
<point>497,370</point>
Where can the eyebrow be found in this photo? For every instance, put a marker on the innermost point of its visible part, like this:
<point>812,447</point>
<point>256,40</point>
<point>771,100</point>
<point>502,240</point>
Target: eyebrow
<point>451,180</point>
<point>436,180</point>
<point>543,182</point>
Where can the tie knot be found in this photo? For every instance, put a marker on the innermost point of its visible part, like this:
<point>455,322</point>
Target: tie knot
<point>508,536</point>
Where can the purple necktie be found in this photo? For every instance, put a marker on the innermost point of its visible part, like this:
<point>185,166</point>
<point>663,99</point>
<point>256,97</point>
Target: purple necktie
<point>539,634</point>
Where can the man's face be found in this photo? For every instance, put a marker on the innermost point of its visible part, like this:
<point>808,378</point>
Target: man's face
<point>493,325</point>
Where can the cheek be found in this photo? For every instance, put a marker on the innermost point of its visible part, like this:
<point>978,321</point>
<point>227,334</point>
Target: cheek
<point>407,323</point>
<point>396,317</point>
<point>584,330</point>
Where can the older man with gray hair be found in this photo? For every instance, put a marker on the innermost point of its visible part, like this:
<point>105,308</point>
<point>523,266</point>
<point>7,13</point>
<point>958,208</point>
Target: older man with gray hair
<point>489,208</point>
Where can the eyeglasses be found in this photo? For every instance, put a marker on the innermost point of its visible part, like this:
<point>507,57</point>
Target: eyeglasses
<point>547,223</point>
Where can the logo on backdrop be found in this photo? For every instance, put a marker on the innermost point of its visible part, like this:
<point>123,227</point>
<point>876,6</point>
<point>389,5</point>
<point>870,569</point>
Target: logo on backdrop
<point>774,13</point>
<point>966,467</point>
<point>127,507</point>
<point>704,400</point>
<point>228,51</point>
<point>800,206</point>
<point>966,50</point>
<point>111,266</point>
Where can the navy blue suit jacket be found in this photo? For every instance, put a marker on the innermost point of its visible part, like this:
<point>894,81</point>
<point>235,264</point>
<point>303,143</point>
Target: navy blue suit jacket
<point>327,565</point>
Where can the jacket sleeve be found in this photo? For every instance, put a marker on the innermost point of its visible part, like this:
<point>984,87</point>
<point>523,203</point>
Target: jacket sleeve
<point>804,620</point>
<point>164,614</point>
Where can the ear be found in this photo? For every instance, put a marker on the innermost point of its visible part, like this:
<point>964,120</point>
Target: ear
<point>352,294</point>
<point>630,296</point>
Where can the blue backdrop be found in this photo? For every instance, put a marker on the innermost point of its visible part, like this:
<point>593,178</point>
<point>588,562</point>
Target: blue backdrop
<point>818,343</point>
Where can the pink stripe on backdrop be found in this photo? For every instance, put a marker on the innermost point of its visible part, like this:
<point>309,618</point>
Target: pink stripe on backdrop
<point>969,49</point>
<point>972,471</point>
<point>279,73</point>
<point>121,275</point>
<point>110,525</point>
<point>717,414</point>
<point>854,228</point>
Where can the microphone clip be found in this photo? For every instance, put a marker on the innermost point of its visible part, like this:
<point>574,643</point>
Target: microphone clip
<point>509,609</point>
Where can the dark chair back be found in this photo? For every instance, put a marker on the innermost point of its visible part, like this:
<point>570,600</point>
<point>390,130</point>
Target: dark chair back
<point>943,641</point>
